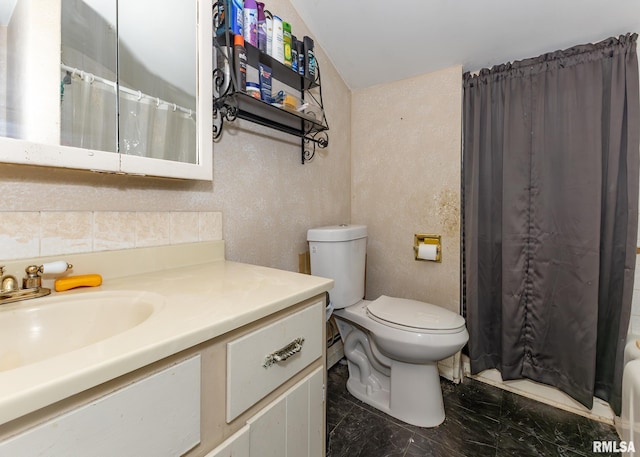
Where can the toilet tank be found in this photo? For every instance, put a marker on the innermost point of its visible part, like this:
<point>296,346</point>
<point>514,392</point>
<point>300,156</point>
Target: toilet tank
<point>339,252</point>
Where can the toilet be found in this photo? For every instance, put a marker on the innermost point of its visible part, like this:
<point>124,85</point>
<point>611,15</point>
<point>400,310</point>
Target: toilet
<point>392,345</point>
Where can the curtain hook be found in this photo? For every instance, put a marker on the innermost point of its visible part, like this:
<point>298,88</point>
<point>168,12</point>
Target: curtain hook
<point>139,95</point>
<point>157,102</point>
<point>175,107</point>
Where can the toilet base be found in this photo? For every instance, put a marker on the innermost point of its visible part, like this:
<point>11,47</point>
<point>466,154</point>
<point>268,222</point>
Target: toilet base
<point>412,393</point>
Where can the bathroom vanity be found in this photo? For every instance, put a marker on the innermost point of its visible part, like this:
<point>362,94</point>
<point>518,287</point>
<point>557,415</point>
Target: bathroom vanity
<point>230,363</point>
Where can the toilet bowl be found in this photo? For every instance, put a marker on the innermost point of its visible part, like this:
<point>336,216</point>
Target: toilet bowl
<point>392,345</point>
<point>393,366</point>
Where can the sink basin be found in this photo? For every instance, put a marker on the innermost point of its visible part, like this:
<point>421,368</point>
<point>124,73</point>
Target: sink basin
<point>34,330</point>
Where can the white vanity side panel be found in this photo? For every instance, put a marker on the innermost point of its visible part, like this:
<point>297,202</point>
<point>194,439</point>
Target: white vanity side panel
<point>155,417</point>
<point>248,380</point>
<point>237,445</point>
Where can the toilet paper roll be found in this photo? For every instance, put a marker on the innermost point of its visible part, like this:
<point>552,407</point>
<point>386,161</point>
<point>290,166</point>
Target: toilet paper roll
<point>427,251</point>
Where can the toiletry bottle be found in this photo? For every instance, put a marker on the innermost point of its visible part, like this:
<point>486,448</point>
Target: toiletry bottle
<point>219,18</point>
<point>250,26</point>
<point>264,73</point>
<point>310,59</point>
<point>278,40</point>
<point>269,21</point>
<point>262,28</point>
<point>236,19</point>
<point>240,62</point>
<point>286,40</point>
<point>294,53</point>
<point>300,46</point>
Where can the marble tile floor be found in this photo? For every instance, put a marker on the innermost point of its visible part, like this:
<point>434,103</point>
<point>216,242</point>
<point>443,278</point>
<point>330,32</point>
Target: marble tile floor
<point>481,420</point>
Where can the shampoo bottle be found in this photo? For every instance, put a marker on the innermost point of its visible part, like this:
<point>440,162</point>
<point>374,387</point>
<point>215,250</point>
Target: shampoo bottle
<point>262,28</point>
<point>286,40</point>
<point>236,19</point>
<point>269,21</point>
<point>250,26</point>
<point>278,40</point>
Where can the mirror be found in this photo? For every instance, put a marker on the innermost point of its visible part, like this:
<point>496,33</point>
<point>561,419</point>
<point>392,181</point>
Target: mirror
<point>88,75</point>
<point>123,95</point>
<point>157,53</point>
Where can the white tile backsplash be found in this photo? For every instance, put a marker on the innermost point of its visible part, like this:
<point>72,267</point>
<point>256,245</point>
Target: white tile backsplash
<point>113,230</point>
<point>19,234</point>
<point>153,229</point>
<point>66,232</point>
<point>27,234</point>
<point>210,226</point>
<point>184,227</point>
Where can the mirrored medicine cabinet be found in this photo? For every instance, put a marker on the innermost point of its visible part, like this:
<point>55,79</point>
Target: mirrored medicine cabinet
<point>120,86</point>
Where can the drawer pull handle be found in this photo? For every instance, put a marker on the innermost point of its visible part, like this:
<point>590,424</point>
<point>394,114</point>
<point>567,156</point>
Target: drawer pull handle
<point>283,354</point>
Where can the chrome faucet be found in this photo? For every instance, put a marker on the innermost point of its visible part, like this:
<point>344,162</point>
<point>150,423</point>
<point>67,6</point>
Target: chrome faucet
<point>10,290</point>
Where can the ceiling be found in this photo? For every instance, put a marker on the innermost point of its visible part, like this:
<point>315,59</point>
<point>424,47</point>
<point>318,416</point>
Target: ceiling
<point>377,41</point>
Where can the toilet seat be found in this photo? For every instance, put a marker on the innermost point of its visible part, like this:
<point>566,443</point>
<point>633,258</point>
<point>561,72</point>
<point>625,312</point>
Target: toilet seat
<point>413,315</point>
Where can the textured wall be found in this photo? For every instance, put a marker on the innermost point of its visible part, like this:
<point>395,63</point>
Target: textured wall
<point>267,199</point>
<point>406,140</point>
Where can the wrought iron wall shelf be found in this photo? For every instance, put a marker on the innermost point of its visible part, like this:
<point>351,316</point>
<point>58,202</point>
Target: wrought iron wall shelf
<point>230,103</point>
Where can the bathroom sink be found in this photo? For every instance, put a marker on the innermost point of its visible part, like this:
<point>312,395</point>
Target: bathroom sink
<point>34,330</point>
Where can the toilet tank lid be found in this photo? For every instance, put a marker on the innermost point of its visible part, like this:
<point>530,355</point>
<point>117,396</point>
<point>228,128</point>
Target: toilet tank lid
<point>343,232</point>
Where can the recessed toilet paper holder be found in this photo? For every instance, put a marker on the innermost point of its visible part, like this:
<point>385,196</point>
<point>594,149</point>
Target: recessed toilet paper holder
<point>429,240</point>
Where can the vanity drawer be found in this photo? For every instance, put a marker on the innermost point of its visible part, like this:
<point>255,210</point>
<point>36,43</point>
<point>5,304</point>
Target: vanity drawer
<point>260,361</point>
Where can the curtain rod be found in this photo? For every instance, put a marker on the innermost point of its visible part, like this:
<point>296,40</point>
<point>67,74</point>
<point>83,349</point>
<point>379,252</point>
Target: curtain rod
<point>136,93</point>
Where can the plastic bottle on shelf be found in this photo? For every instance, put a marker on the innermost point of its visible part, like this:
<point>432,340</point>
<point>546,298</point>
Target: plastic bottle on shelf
<point>219,19</point>
<point>269,21</point>
<point>262,28</point>
<point>278,40</point>
<point>250,25</point>
<point>240,62</point>
<point>301,60</point>
<point>236,19</point>
<point>294,53</point>
<point>310,59</point>
<point>286,40</point>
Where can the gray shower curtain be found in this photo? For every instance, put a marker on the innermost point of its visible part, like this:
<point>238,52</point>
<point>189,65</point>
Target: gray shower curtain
<point>550,185</point>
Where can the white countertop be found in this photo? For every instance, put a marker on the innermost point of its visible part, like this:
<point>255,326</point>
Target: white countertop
<point>201,302</point>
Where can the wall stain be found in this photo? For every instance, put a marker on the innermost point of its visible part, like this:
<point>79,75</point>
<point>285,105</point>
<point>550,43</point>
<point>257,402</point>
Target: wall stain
<point>447,206</point>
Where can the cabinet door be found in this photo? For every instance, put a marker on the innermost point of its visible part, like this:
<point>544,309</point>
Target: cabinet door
<point>268,434</point>
<point>236,446</point>
<point>292,426</point>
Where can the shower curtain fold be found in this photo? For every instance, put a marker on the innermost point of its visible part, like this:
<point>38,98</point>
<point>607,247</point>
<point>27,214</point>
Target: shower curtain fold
<point>550,165</point>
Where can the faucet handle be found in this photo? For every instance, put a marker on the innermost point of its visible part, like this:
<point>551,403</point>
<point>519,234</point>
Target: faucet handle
<point>59,266</point>
<point>33,278</point>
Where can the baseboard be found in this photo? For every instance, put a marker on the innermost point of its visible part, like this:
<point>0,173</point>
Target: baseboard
<point>335,352</point>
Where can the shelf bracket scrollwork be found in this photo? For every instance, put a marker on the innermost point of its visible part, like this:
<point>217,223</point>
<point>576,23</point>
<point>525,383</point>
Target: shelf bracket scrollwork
<point>312,141</point>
